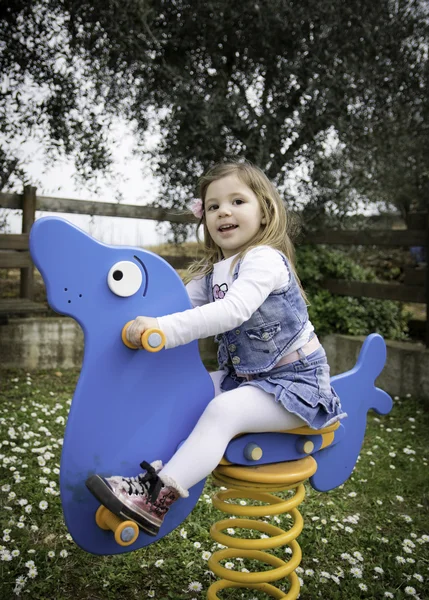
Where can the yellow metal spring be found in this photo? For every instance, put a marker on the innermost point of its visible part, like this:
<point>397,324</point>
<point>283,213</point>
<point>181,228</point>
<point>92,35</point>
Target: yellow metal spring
<point>259,483</point>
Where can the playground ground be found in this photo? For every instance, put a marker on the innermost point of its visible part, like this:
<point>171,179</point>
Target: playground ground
<point>367,539</point>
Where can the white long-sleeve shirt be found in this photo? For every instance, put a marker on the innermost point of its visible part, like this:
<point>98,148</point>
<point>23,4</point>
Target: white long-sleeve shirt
<point>262,271</point>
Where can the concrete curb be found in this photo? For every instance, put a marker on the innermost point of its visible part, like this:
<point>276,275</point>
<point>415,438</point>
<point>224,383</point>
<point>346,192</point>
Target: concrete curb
<point>406,370</point>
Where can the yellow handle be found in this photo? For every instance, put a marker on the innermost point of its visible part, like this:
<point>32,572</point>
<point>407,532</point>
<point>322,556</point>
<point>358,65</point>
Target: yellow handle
<point>153,340</point>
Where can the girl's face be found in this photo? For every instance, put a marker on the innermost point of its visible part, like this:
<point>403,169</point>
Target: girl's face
<point>233,214</point>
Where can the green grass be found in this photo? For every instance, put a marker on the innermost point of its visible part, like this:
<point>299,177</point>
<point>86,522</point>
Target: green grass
<point>378,520</point>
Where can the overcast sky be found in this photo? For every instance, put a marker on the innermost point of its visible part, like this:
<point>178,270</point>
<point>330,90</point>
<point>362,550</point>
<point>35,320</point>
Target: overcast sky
<point>135,187</point>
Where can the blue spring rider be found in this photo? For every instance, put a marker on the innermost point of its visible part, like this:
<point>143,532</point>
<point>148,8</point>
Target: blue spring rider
<point>129,405</point>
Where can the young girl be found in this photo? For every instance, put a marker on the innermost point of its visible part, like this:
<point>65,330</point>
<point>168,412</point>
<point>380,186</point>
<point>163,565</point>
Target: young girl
<point>273,371</point>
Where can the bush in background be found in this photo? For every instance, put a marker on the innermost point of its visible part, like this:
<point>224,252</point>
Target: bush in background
<point>330,313</point>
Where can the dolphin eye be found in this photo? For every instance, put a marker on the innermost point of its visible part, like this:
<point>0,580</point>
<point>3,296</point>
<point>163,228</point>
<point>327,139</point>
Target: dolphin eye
<point>124,278</point>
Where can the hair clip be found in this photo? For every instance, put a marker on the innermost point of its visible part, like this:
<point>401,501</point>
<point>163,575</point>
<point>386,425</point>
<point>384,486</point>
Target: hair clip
<point>196,207</point>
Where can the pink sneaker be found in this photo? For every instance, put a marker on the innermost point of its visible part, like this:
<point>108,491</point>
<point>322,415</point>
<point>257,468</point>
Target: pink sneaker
<point>144,499</point>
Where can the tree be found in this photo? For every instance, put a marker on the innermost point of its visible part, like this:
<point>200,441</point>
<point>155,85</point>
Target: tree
<point>48,92</point>
<point>269,80</point>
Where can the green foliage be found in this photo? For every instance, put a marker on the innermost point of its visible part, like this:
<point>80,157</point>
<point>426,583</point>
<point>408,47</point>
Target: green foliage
<point>343,314</point>
<point>276,82</point>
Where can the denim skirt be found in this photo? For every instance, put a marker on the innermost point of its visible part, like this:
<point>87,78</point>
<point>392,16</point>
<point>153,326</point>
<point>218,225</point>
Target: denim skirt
<point>303,387</point>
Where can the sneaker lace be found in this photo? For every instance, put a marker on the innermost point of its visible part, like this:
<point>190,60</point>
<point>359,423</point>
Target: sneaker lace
<point>146,484</point>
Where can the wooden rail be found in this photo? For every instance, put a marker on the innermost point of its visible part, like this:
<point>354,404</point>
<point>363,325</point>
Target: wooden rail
<point>14,247</point>
<point>102,209</point>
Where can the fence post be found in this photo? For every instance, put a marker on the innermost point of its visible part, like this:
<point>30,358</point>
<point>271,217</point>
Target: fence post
<point>427,280</point>
<point>28,217</point>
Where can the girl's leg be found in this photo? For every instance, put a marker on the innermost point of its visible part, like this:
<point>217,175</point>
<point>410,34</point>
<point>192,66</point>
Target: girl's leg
<point>245,409</point>
<point>217,377</point>
<point>145,500</point>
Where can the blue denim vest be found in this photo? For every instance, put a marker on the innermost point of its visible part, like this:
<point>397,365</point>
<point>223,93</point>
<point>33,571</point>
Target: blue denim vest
<point>259,343</point>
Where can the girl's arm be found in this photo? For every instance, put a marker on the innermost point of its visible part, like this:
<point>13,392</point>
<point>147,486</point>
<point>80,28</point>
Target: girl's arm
<point>197,291</point>
<point>261,272</point>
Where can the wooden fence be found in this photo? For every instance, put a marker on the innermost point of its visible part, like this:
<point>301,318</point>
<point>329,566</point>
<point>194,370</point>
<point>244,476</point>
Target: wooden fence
<point>14,247</point>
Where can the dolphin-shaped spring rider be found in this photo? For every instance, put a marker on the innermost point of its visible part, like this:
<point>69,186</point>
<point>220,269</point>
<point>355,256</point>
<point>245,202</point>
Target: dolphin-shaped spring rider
<point>133,405</point>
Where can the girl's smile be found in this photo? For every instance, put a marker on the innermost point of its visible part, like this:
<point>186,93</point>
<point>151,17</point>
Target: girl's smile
<point>227,228</point>
<point>233,214</point>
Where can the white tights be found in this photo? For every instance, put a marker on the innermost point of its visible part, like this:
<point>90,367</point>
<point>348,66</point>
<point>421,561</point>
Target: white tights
<point>245,409</point>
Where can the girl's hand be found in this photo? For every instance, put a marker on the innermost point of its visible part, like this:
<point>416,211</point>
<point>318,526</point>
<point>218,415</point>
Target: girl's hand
<point>137,327</point>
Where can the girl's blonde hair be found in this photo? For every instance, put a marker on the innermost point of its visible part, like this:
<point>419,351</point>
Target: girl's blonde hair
<point>274,233</point>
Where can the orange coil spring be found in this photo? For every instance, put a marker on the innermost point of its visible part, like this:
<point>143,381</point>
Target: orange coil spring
<point>255,548</point>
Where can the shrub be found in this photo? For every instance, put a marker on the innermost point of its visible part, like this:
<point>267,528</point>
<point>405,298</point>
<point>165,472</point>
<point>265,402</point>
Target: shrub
<point>330,313</point>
